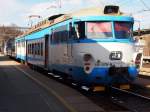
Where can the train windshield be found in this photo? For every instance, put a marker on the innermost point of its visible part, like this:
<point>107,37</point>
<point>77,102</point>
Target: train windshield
<point>123,30</point>
<point>99,30</point>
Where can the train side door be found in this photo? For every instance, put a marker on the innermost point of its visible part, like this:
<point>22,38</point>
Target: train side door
<point>69,44</point>
<point>46,50</point>
<point>26,50</point>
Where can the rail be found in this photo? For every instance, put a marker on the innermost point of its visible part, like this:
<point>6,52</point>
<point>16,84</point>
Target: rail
<point>131,93</point>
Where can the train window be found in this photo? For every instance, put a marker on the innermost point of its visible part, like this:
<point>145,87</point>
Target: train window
<point>60,34</point>
<point>38,48</point>
<point>23,43</point>
<point>32,49</point>
<point>35,48</point>
<point>79,30</point>
<point>28,49</point>
<point>99,29</point>
<point>123,30</point>
<point>41,49</point>
<point>18,43</point>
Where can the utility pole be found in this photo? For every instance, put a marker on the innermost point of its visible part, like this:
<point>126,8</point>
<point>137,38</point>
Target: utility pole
<point>58,5</point>
<point>30,19</point>
<point>139,27</point>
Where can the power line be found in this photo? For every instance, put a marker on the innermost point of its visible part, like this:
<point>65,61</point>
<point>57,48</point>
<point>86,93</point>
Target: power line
<point>144,4</point>
<point>124,2</point>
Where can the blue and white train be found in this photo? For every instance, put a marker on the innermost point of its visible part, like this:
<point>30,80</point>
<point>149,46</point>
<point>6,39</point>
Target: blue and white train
<point>90,47</point>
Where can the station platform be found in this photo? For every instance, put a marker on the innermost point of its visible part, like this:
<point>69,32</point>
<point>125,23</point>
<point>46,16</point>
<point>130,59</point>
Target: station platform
<point>25,90</point>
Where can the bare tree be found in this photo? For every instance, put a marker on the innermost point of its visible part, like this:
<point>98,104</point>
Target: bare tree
<point>10,31</point>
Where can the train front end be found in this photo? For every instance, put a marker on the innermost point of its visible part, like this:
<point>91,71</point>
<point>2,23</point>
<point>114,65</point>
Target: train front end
<point>108,52</point>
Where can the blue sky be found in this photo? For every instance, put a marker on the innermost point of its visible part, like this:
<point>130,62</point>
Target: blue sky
<point>17,11</point>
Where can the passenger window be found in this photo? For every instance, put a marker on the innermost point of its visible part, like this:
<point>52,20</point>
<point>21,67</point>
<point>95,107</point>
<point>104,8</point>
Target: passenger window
<point>38,48</point>
<point>32,48</point>
<point>41,49</point>
<point>18,43</point>
<point>28,48</point>
<point>35,48</point>
<point>60,34</point>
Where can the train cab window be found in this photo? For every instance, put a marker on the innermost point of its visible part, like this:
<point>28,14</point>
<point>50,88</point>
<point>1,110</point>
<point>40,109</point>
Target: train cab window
<point>79,30</point>
<point>123,30</point>
<point>99,29</point>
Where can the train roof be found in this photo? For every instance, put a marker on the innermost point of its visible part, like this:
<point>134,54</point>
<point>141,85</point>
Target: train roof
<point>94,11</point>
<point>83,13</point>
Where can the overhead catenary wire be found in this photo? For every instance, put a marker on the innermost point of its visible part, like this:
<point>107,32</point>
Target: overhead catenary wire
<point>144,4</point>
<point>123,3</point>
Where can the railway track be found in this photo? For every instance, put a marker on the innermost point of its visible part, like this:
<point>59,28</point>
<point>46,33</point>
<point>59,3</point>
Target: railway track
<point>114,100</point>
<point>132,101</point>
<point>102,99</point>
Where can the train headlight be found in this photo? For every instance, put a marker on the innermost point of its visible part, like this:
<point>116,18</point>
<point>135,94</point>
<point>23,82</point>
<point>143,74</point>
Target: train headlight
<point>115,55</point>
<point>88,63</point>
